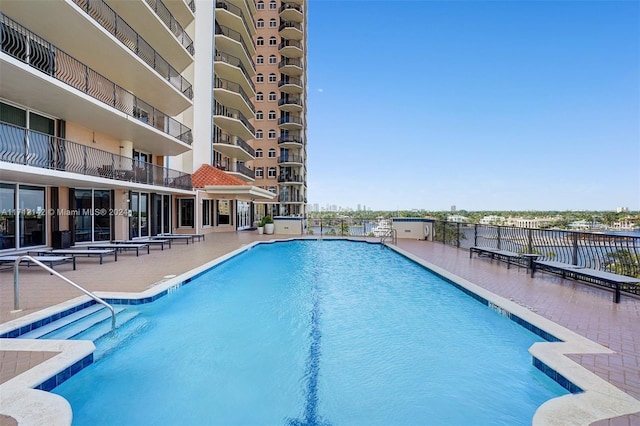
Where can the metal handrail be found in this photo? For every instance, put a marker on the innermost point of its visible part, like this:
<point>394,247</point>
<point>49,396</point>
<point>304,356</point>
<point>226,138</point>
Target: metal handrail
<point>393,234</point>
<point>16,293</point>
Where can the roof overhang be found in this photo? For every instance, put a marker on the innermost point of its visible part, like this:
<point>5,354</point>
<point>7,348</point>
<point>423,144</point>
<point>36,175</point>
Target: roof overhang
<point>240,191</point>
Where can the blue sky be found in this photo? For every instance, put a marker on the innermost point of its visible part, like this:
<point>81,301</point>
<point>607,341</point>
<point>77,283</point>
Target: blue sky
<point>486,105</point>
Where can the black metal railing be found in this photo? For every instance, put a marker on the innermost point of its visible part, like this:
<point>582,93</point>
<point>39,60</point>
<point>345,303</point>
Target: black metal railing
<point>234,35</point>
<point>192,5</point>
<point>289,43</point>
<point>286,6</point>
<point>607,252</point>
<point>174,26</point>
<point>26,46</point>
<point>348,227</point>
<point>219,83</point>
<point>219,109</point>
<point>290,24</point>
<point>290,101</point>
<point>290,62</point>
<point>290,159</point>
<point>291,198</point>
<point>223,4</point>
<point>290,80</point>
<point>242,169</point>
<point>290,179</point>
<point>290,139</point>
<point>232,60</point>
<point>290,119</point>
<point>118,27</point>
<point>19,145</point>
<point>227,140</point>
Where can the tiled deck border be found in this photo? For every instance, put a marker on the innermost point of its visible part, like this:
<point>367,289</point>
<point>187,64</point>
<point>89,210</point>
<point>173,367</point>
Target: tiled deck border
<point>592,398</point>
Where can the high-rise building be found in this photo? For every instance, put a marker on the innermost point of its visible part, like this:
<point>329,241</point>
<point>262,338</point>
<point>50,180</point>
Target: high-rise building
<point>280,119</point>
<point>122,119</point>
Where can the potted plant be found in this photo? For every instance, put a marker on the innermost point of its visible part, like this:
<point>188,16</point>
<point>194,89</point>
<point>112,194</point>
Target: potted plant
<point>261,227</point>
<point>268,224</point>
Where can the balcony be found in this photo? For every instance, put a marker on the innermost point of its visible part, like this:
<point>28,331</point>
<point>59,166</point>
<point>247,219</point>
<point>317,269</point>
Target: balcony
<point>231,68</point>
<point>243,172</point>
<point>232,121</point>
<point>155,22</point>
<point>29,148</point>
<point>291,12</point>
<point>233,16</point>
<point>230,41</point>
<point>291,48</point>
<point>232,94</point>
<point>288,179</point>
<point>291,66</point>
<point>238,149</point>
<point>291,159</point>
<point>290,141</point>
<point>290,104</point>
<point>290,85</point>
<point>291,30</point>
<point>182,10</point>
<point>291,122</point>
<point>291,198</point>
<point>90,98</point>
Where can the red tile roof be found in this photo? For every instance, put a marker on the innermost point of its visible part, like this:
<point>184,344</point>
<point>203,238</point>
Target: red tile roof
<point>208,175</point>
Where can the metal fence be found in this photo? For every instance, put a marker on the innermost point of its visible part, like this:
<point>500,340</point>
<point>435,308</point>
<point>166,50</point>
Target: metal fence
<point>347,227</point>
<point>618,253</point>
<point>22,146</point>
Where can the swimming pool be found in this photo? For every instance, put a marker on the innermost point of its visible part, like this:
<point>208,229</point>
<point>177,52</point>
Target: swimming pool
<point>315,332</point>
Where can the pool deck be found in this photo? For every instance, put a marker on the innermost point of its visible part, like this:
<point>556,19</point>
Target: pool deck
<point>584,309</point>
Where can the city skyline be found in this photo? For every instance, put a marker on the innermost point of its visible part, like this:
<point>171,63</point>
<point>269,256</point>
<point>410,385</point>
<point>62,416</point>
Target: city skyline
<point>487,105</point>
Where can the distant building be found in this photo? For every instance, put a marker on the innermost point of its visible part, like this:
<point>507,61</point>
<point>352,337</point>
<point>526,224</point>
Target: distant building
<point>536,222</point>
<point>492,220</point>
<point>457,218</point>
<point>622,209</point>
<point>453,209</point>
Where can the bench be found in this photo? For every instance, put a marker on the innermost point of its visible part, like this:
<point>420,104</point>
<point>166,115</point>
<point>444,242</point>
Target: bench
<point>593,276</point>
<point>144,240</point>
<point>177,237</point>
<point>505,255</point>
<point>51,260</point>
<point>119,247</point>
<point>75,252</point>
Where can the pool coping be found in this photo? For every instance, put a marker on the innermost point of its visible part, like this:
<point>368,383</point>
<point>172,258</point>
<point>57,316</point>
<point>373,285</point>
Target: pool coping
<point>592,398</point>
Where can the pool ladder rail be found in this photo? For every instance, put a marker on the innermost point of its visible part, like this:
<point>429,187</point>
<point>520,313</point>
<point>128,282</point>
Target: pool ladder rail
<point>391,235</point>
<point>16,292</point>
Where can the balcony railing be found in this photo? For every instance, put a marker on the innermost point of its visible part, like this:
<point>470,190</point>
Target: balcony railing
<point>290,80</point>
<point>192,5</point>
<point>290,24</point>
<point>232,86</point>
<point>287,43</point>
<point>607,252</point>
<point>286,6</point>
<point>291,198</point>
<point>22,44</point>
<point>219,109</point>
<point>19,145</point>
<point>290,119</point>
<point>232,60</point>
<point>226,139</point>
<point>165,16</point>
<point>291,179</point>
<point>290,139</point>
<point>290,62</point>
<point>290,159</point>
<point>223,4</point>
<point>114,24</point>
<point>242,169</point>
<point>234,35</point>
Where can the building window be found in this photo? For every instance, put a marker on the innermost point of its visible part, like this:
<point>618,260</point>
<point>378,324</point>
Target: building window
<point>185,212</point>
<point>259,96</point>
<point>259,153</point>
<point>271,173</point>
<point>258,134</point>
<point>272,96</point>
<point>273,5</point>
<point>260,22</point>
<point>224,212</point>
<point>272,153</point>
<point>273,41</point>
<point>273,23</point>
<point>260,59</point>
<point>260,41</point>
<point>273,59</point>
<point>207,212</point>
<point>272,134</point>
<point>259,115</point>
<point>260,5</point>
<point>272,189</point>
<point>273,78</point>
<point>259,172</point>
<point>25,227</point>
<point>259,78</point>
<point>272,115</point>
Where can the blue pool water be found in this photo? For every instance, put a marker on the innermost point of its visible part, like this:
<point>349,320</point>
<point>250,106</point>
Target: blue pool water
<point>315,333</point>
